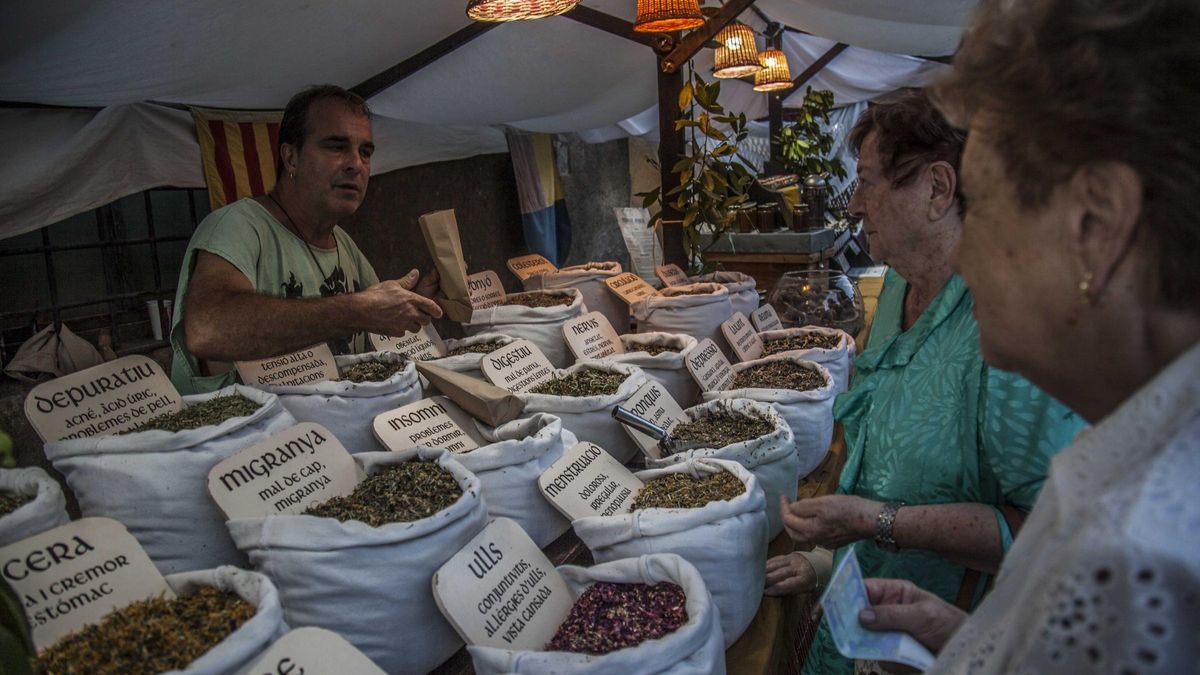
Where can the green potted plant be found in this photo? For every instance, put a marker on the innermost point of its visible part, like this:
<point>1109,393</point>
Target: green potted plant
<point>805,145</point>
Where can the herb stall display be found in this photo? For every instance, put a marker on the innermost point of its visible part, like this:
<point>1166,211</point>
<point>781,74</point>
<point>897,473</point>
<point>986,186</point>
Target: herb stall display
<point>661,356</point>
<point>463,356</point>
<point>743,289</point>
<point>535,316</point>
<point>697,310</point>
<point>829,347</point>
<point>588,279</point>
<point>30,502</point>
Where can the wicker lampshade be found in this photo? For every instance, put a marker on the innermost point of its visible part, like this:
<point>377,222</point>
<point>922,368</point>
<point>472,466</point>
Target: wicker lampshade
<point>738,54</point>
<point>663,16</point>
<point>774,74</point>
<point>516,10</point>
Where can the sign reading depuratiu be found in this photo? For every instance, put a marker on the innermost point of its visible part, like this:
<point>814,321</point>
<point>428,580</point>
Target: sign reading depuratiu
<point>313,651</point>
<point>486,289</point>
<point>741,336</point>
<point>709,367</point>
<point>436,422</point>
<point>765,318</point>
<point>517,366</point>
<point>306,366</point>
<point>653,402</point>
<point>421,345</point>
<point>587,481</point>
<point>591,336</point>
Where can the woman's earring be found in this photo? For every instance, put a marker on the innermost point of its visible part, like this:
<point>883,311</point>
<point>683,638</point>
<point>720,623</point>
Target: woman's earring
<point>1085,285</point>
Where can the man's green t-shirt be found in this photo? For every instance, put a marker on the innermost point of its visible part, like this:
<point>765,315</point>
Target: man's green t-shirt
<point>278,263</point>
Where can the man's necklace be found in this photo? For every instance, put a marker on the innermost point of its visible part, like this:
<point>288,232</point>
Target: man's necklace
<point>296,229</point>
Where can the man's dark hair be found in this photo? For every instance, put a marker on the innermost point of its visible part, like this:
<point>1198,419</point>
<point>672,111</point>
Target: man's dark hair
<point>293,128</point>
<point>912,134</point>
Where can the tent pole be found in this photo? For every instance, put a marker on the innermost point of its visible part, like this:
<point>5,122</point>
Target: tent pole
<point>412,64</point>
<point>819,65</point>
<point>694,41</point>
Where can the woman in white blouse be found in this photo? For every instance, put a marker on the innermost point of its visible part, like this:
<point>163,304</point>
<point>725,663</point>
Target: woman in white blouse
<point>1081,245</point>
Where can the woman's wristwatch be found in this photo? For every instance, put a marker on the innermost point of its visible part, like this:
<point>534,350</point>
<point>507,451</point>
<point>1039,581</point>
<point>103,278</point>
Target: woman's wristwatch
<point>884,523</point>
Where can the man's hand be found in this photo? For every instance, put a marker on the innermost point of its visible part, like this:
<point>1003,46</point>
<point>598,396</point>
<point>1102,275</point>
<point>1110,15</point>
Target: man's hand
<point>832,521</point>
<point>392,308</point>
<point>900,605</point>
<point>429,285</point>
<point>788,574</point>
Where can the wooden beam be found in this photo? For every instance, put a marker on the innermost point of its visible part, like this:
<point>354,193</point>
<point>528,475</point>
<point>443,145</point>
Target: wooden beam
<point>695,40</point>
<point>416,62</point>
<point>774,163</point>
<point>608,23</point>
<point>670,149</point>
<point>818,65</point>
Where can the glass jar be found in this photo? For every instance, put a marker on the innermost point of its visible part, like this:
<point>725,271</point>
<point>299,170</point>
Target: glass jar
<point>818,298</point>
<point>766,217</point>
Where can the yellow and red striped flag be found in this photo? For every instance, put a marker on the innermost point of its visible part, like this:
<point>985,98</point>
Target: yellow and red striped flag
<point>238,150</point>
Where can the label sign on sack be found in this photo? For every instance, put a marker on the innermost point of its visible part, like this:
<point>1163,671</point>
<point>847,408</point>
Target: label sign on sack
<point>313,650</point>
<point>422,345</point>
<point>629,287</point>
<point>587,481</point>
<point>500,590</point>
<point>286,473</point>
<point>101,400</point>
<point>591,336</point>
<point>486,289</point>
<point>656,404</point>
<point>517,366</point>
<point>741,336</point>
<point>75,574</point>
<point>671,275</point>
<point>526,266</point>
<point>765,318</point>
<point>436,422</point>
<point>306,366</point>
<point>709,367</point>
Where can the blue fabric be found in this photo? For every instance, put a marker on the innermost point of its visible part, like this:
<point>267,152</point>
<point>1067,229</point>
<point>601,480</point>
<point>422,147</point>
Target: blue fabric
<point>548,232</point>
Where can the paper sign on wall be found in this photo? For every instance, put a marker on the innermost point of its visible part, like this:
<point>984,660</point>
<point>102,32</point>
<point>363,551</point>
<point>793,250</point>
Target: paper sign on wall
<point>75,574</point>
<point>709,367</point>
<point>526,266</point>
<point>288,472</point>
<point>591,336</point>
<point>436,422</point>
<point>629,287</point>
<point>641,240</point>
<point>765,318</point>
<point>306,366</point>
<point>656,404</point>
<point>672,275</point>
<point>517,366</point>
<point>741,336</point>
<point>486,289</point>
<point>587,481</point>
<point>101,400</point>
<point>313,650</point>
<point>422,345</point>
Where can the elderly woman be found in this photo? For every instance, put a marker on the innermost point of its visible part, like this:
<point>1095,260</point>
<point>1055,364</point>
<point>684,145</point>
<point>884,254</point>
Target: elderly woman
<point>1081,245</point>
<point>944,454</point>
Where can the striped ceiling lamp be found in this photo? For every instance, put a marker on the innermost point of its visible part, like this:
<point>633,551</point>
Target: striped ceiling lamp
<point>664,16</point>
<point>517,10</point>
<point>738,54</point>
<point>775,74</point>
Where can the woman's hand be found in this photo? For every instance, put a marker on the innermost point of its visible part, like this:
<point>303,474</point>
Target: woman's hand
<point>790,573</point>
<point>900,605</point>
<point>832,521</point>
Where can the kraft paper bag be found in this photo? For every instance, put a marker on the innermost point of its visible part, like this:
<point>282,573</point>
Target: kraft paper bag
<point>482,400</point>
<point>440,230</point>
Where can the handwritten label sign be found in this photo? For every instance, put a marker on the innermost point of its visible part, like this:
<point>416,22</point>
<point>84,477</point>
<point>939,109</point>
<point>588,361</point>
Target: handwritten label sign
<point>526,266</point>
<point>421,345</point>
<point>591,336</point>
<point>436,422</point>
<point>741,336</point>
<point>101,400</point>
<point>486,289</point>
<point>306,366</point>
<point>671,275</point>
<point>517,366</point>
<point>587,481</point>
<point>286,473</point>
<point>709,367</point>
<point>629,287</point>
<point>765,318</point>
<point>75,574</point>
<point>313,650</point>
<point>656,404</point>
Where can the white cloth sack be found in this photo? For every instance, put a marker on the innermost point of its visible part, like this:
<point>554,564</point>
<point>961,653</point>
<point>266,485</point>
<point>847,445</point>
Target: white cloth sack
<point>468,364</point>
<point>589,418</point>
<point>589,279</point>
<point>540,325</point>
<point>771,458</point>
<point>839,361</point>
<point>674,311</point>
<point>808,413</point>
<point>47,511</point>
<point>243,646</point>
<point>743,289</point>
<point>695,648</point>
<point>669,368</point>
<point>371,585</point>
<point>348,409</point>
<point>508,469</point>
<point>156,482</point>
<point>725,540</point>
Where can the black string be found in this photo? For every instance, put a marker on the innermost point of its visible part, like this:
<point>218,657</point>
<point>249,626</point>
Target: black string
<point>296,228</point>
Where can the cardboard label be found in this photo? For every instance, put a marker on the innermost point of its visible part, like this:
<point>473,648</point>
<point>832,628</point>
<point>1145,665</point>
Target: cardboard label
<point>672,275</point>
<point>421,345</point>
<point>75,574</point>
<point>500,590</point>
<point>587,481</point>
<point>709,367</point>
<point>765,318</point>
<point>656,404</point>
<point>286,473</point>
<point>435,422</point>
<point>306,366</point>
<point>101,400</point>
<point>526,266</point>
<point>741,336</point>
<point>313,650</point>
<point>486,289</point>
<point>591,336</point>
<point>518,366</point>
<point>629,287</point>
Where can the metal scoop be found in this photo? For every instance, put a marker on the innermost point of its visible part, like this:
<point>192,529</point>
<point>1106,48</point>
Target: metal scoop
<point>668,444</point>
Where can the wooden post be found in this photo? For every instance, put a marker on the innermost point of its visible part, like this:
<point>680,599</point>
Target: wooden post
<point>775,109</point>
<point>670,149</point>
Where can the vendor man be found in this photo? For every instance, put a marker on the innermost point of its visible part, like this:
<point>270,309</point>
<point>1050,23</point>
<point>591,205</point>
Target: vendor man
<point>274,274</point>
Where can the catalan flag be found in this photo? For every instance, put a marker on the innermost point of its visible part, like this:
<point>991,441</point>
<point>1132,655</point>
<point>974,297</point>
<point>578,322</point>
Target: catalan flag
<point>540,194</point>
<point>239,151</point>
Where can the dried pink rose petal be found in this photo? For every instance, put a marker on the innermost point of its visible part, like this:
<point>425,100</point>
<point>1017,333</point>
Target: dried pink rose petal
<point>610,616</point>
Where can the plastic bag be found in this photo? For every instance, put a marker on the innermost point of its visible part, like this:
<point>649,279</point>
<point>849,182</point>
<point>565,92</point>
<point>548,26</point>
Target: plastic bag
<point>589,279</point>
<point>540,325</point>
<point>839,361</point>
<point>47,511</point>
<point>743,289</point>
<point>669,368</point>
<point>677,311</point>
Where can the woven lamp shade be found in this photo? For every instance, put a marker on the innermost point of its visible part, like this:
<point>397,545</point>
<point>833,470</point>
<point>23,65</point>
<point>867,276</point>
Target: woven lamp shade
<point>738,54</point>
<point>775,74</point>
<point>517,10</point>
<point>664,16</point>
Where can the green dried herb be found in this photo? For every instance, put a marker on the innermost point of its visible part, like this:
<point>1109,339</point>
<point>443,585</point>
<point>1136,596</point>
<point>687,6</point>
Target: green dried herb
<point>373,370</point>
<point>681,491</point>
<point>210,412</point>
<point>477,348</point>
<point>778,375</point>
<point>10,502</point>
<point>539,299</point>
<point>652,350</point>
<point>803,341</point>
<point>722,429</point>
<point>399,493</point>
<point>610,616</point>
<point>149,636</point>
<point>583,382</point>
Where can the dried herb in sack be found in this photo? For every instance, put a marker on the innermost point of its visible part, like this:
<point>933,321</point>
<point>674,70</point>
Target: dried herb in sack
<point>583,382</point>
<point>722,429</point>
<point>149,636</point>
<point>610,616</point>
<point>538,300</point>
<point>397,494</point>
<point>778,375</point>
<point>373,371</point>
<point>803,341</point>
<point>207,413</point>
<point>11,502</point>
<point>652,350</point>
<point>477,348</point>
<point>681,491</point>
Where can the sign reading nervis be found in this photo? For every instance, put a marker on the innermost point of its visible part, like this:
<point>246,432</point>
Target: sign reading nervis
<point>313,650</point>
<point>629,287</point>
<point>709,367</point>
<point>765,318</point>
<point>526,266</point>
<point>741,336</point>
<point>421,345</point>
<point>671,275</point>
<point>591,336</point>
<point>587,481</point>
<point>486,289</point>
<point>517,366</point>
<point>436,422</point>
<point>656,404</point>
<point>306,366</point>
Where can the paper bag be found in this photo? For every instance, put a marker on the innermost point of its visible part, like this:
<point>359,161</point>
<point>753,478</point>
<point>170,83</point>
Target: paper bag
<point>440,230</point>
<point>53,354</point>
<point>484,401</point>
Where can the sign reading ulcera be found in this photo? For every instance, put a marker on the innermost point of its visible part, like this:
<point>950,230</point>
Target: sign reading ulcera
<point>656,404</point>
<point>313,650</point>
<point>422,345</point>
<point>765,318</point>
<point>671,275</point>
<point>517,366</point>
<point>591,336</point>
<point>741,336</point>
<point>526,266</point>
<point>306,366</point>
<point>101,400</point>
<point>486,289</point>
<point>436,422</point>
<point>587,481</point>
<point>709,367</point>
<point>629,287</point>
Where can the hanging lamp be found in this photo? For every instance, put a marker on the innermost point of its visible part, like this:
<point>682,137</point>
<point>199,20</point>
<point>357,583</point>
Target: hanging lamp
<point>664,16</point>
<point>775,74</point>
<point>517,10</point>
<point>738,54</point>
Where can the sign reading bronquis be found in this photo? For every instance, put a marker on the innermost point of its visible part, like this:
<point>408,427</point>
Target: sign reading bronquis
<point>291,370</point>
<point>314,651</point>
<point>653,402</point>
<point>709,367</point>
<point>526,266</point>
<point>517,366</point>
<point>436,422</point>
<point>741,336</point>
<point>486,289</point>
<point>629,287</point>
<point>587,481</point>
<point>422,345</point>
<point>591,336</point>
<point>101,400</point>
